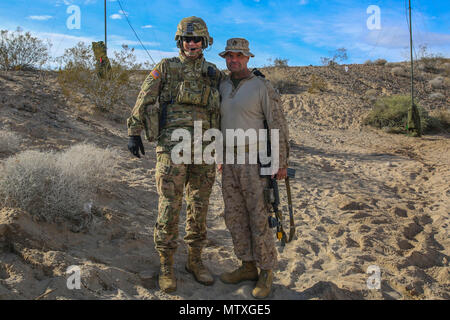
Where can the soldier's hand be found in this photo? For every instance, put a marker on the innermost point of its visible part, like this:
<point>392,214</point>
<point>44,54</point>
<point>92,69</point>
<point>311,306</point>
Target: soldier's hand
<point>135,144</point>
<point>219,168</point>
<point>281,174</point>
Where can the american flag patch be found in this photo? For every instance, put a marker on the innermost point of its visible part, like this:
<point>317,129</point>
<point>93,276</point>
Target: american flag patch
<point>155,74</point>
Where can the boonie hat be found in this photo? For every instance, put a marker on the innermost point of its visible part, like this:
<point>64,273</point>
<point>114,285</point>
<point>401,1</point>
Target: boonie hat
<point>237,45</point>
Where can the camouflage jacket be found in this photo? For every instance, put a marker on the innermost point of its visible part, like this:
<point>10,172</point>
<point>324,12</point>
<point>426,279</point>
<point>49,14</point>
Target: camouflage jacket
<point>177,92</point>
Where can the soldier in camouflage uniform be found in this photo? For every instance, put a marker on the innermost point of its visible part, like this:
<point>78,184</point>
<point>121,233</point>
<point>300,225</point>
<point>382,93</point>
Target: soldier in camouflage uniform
<point>248,100</point>
<point>176,93</point>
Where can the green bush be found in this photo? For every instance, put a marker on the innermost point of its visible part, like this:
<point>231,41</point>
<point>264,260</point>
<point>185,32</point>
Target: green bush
<point>56,187</point>
<point>22,51</point>
<point>391,114</point>
<point>78,75</point>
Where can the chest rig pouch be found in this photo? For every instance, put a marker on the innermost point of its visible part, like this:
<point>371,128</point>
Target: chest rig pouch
<point>190,93</point>
<point>194,92</point>
<point>196,86</point>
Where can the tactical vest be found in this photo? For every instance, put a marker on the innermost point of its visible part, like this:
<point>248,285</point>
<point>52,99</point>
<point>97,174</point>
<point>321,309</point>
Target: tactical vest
<point>189,93</point>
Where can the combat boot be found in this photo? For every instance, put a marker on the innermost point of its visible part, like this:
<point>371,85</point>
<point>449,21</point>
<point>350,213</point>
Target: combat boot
<point>167,281</point>
<point>247,271</point>
<point>264,284</point>
<point>195,266</point>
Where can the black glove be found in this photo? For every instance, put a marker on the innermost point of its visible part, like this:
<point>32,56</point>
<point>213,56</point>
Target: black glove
<point>134,144</point>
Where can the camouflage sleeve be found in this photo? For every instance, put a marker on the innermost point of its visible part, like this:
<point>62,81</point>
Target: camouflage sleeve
<point>147,97</point>
<point>276,120</point>
<point>222,76</point>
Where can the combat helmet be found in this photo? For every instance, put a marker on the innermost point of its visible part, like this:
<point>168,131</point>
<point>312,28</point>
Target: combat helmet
<point>193,27</point>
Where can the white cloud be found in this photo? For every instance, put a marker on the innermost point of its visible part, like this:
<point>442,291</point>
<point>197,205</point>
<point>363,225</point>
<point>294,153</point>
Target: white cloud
<point>115,16</point>
<point>123,12</point>
<point>147,26</point>
<point>61,2</point>
<point>40,18</point>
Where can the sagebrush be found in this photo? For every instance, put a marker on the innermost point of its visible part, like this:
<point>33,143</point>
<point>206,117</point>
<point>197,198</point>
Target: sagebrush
<point>9,142</point>
<point>282,83</point>
<point>338,55</point>
<point>56,186</point>
<point>78,75</point>
<point>22,51</point>
<point>317,84</point>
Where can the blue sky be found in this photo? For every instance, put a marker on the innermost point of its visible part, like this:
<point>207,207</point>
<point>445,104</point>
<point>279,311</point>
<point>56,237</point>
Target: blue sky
<point>301,31</point>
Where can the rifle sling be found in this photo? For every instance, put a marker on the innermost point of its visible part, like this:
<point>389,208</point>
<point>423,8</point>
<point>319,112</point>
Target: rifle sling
<point>291,214</point>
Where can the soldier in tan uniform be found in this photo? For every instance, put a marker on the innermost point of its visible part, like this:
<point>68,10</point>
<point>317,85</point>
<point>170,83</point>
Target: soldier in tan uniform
<point>248,100</point>
<point>176,93</point>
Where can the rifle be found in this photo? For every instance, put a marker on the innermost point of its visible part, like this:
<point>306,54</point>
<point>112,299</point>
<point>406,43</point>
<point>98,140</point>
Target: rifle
<point>277,220</point>
<point>272,195</point>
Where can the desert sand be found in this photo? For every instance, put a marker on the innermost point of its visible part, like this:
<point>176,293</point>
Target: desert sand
<point>362,197</point>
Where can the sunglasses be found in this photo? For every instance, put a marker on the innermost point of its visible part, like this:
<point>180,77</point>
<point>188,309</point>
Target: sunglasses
<point>189,39</point>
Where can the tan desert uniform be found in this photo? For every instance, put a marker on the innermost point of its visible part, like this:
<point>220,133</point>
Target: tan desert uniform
<point>246,212</point>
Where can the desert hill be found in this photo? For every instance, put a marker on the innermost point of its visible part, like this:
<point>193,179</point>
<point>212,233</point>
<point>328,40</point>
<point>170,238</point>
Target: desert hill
<point>362,197</point>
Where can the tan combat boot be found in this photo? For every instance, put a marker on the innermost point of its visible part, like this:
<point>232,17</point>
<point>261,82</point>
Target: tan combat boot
<point>264,284</point>
<point>167,281</point>
<point>195,266</point>
<point>247,271</point>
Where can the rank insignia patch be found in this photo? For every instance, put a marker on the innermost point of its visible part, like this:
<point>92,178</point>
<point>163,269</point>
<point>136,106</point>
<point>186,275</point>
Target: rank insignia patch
<point>155,74</point>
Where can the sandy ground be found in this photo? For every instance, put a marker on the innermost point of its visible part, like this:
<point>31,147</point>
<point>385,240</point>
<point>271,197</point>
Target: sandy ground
<point>362,197</point>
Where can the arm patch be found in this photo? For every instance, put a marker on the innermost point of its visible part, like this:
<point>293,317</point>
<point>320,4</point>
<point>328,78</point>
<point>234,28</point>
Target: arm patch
<point>155,74</point>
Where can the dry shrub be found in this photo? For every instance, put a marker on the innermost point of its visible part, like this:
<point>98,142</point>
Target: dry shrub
<point>430,62</point>
<point>440,120</point>
<point>437,96</point>
<point>437,83</point>
<point>56,187</point>
<point>22,51</point>
<point>317,84</point>
<point>9,142</point>
<point>399,71</point>
<point>278,62</point>
<point>446,68</point>
<point>391,114</point>
<point>281,82</point>
<point>370,95</point>
<point>78,76</point>
<point>380,62</point>
<point>337,56</point>
<point>88,164</point>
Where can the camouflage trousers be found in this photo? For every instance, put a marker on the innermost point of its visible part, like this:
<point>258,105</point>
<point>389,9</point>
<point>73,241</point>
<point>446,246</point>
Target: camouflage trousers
<point>246,214</point>
<point>171,179</point>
